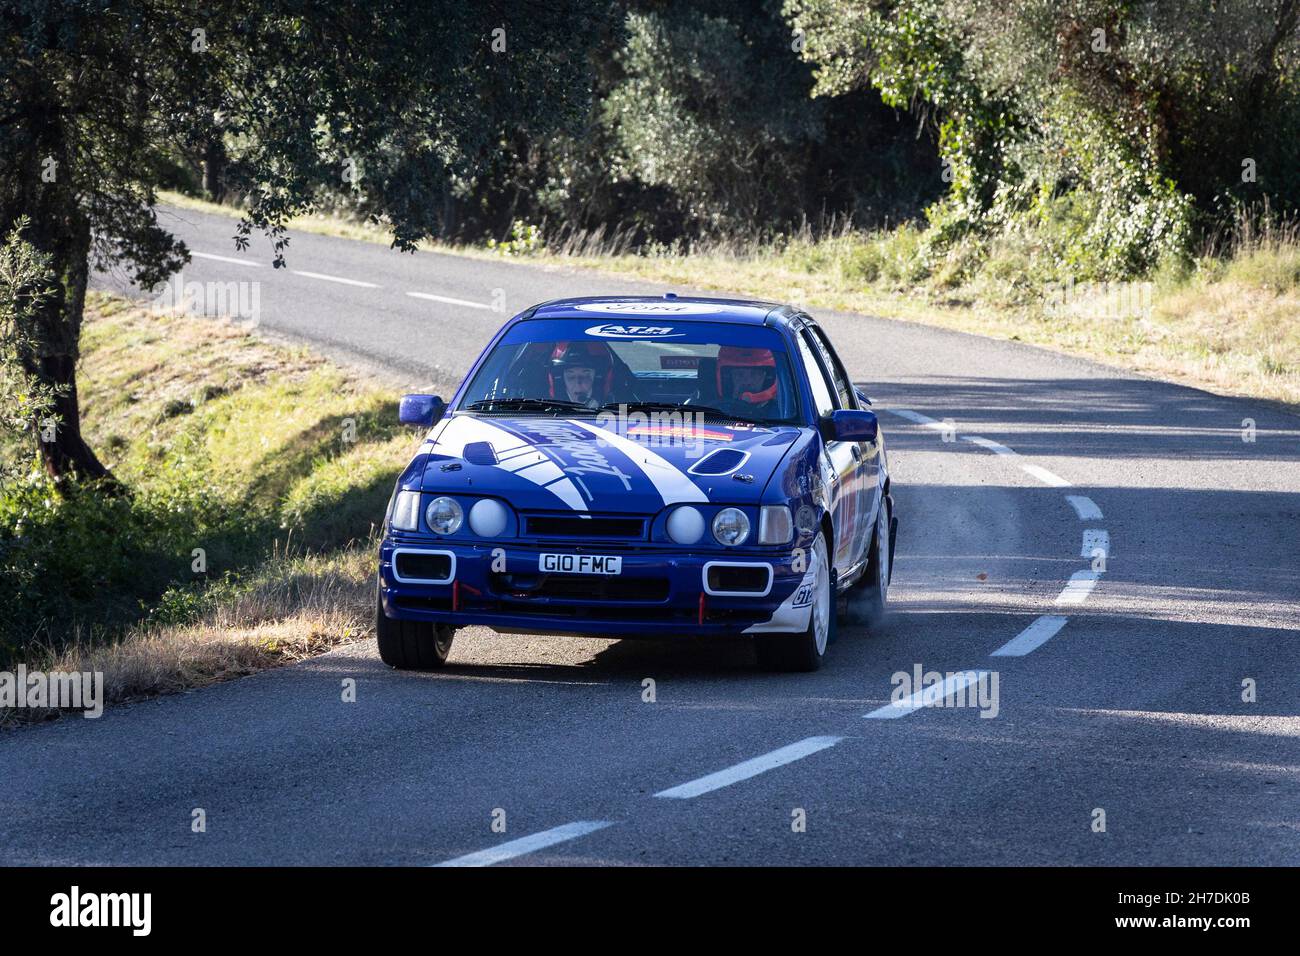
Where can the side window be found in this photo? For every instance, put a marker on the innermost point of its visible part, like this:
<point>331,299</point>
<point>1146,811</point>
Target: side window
<point>843,385</point>
<point>821,391</point>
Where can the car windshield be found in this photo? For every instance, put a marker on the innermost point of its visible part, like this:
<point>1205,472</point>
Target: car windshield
<point>567,367</point>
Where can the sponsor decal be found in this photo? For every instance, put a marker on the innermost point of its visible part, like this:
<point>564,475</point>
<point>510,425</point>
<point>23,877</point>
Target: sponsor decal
<point>803,597</point>
<point>614,331</point>
<point>676,431</point>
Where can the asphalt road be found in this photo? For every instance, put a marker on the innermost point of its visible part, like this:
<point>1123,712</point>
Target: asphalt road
<point>1127,696</point>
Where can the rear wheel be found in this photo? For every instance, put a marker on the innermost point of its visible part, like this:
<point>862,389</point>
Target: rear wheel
<point>412,645</point>
<point>807,650</point>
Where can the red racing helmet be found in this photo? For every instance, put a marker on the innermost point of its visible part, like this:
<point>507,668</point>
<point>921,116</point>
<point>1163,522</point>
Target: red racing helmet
<point>739,356</point>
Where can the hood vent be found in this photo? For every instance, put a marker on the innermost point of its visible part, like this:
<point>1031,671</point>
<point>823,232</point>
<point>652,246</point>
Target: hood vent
<point>480,453</point>
<point>721,462</point>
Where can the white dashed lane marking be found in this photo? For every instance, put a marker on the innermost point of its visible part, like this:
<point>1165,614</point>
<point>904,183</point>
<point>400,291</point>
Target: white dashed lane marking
<point>927,696</point>
<point>1094,540</point>
<point>230,259</point>
<point>1079,587</point>
<point>529,844</point>
<point>1045,476</point>
<point>1032,637</point>
<point>1084,507</point>
<point>329,278</point>
<point>449,300</point>
<point>749,768</point>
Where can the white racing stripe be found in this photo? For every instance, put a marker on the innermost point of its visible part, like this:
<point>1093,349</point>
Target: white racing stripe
<point>1032,637</point>
<point>329,278</point>
<point>926,696</point>
<point>1079,587</point>
<point>231,259</point>
<point>529,844</point>
<point>449,300</point>
<point>1084,507</point>
<point>750,768</point>
<point>673,485</point>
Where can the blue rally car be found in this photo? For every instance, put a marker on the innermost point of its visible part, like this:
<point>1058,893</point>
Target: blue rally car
<point>641,467</point>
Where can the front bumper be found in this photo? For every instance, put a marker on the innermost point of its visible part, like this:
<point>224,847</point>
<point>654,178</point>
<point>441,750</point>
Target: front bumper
<point>659,592</point>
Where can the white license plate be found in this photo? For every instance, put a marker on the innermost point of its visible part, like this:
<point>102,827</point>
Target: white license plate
<point>581,563</point>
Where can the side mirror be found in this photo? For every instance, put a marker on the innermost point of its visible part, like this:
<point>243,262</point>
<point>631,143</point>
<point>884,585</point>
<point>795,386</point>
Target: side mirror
<point>850,424</point>
<point>420,409</point>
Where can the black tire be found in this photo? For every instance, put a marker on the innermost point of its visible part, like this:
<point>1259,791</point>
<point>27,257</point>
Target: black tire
<point>869,597</point>
<point>412,645</point>
<point>803,651</point>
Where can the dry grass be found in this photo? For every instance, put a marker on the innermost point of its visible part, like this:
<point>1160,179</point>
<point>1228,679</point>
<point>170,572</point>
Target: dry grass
<point>292,609</point>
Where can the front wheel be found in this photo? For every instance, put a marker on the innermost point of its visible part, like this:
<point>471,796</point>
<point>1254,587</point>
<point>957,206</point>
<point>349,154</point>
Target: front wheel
<point>807,650</point>
<point>412,645</point>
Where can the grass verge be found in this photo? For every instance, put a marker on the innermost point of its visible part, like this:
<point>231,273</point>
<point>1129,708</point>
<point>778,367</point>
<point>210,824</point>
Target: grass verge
<point>257,476</point>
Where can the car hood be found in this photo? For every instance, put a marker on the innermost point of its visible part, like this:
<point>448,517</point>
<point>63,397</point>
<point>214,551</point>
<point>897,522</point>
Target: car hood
<point>555,464</point>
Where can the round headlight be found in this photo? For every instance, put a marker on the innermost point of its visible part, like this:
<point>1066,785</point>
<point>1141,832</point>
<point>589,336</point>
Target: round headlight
<point>488,518</point>
<point>686,525</point>
<point>730,526</point>
<point>444,515</point>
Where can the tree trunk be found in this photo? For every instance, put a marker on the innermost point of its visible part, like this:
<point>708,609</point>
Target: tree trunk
<point>65,454</point>
<point>214,169</point>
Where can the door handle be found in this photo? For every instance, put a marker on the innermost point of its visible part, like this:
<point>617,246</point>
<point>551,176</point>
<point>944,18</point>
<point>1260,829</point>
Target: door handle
<point>857,452</point>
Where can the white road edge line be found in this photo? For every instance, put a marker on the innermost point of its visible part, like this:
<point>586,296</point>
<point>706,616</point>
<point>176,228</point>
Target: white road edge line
<point>327,278</point>
<point>448,299</point>
<point>529,844</point>
<point>238,262</point>
<point>926,696</point>
<point>1084,507</point>
<point>749,768</point>
<point>1032,637</point>
<point>1079,587</point>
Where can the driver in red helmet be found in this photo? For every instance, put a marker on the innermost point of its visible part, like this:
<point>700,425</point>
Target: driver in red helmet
<point>581,372</point>
<point>747,381</point>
